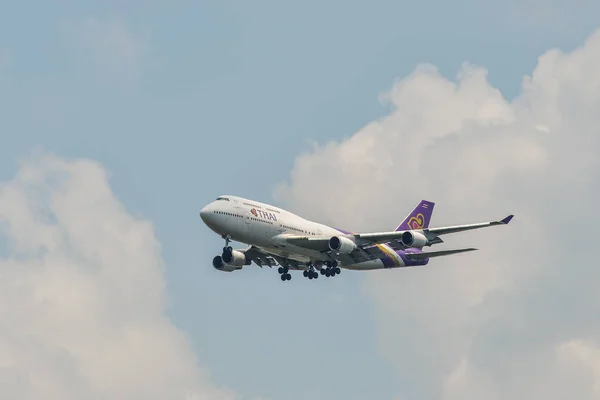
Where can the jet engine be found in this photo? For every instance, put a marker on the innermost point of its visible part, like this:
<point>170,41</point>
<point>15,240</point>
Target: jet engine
<point>414,239</point>
<point>221,266</point>
<point>230,261</point>
<point>342,244</point>
<point>234,258</point>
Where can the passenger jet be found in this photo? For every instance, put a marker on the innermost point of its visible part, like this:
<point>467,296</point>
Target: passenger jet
<point>276,237</point>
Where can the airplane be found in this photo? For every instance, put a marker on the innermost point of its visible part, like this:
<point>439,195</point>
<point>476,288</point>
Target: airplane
<point>276,237</point>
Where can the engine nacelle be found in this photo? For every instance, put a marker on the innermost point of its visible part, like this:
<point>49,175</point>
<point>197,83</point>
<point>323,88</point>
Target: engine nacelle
<point>218,264</point>
<point>234,259</point>
<point>414,239</point>
<point>342,244</point>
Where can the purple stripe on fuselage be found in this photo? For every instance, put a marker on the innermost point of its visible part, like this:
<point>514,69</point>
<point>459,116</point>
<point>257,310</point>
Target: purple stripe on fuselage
<point>388,262</point>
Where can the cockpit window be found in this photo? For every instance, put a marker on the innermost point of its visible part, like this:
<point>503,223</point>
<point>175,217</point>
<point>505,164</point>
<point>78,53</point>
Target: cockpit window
<point>222,198</point>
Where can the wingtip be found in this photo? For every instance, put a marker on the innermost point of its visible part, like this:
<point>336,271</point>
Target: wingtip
<point>507,219</point>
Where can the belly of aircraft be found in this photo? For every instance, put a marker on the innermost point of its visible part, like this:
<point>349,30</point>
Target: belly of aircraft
<point>365,266</point>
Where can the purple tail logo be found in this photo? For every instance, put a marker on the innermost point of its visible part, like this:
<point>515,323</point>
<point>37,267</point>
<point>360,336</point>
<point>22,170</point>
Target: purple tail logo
<point>417,222</point>
<point>418,218</point>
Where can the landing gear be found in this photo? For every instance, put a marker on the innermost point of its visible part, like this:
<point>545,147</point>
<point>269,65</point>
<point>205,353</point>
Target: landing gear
<point>310,273</point>
<point>227,250</point>
<point>227,239</point>
<point>285,274</point>
<point>332,269</point>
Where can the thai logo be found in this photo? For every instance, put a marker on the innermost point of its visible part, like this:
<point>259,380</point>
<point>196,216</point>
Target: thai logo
<point>263,214</point>
<point>416,222</point>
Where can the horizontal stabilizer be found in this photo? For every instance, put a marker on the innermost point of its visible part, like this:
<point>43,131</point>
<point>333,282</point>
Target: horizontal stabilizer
<point>430,254</point>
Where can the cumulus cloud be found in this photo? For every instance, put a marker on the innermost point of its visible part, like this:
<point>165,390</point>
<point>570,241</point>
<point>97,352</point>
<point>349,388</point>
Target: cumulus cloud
<point>82,294</point>
<point>517,319</point>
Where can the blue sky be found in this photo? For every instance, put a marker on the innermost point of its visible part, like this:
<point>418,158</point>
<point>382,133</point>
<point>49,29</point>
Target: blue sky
<point>221,97</point>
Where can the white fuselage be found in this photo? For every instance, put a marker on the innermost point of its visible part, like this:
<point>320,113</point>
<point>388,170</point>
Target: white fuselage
<point>262,225</point>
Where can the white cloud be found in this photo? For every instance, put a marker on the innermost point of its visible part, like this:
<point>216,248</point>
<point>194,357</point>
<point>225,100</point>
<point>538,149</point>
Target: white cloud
<point>82,294</point>
<point>507,321</point>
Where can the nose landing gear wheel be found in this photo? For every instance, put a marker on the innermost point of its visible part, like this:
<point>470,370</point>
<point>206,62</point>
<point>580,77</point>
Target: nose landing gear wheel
<point>227,250</point>
<point>227,254</point>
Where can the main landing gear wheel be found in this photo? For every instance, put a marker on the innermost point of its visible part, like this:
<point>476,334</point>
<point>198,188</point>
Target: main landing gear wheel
<point>332,269</point>
<point>310,273</point>
<point>285,274</point>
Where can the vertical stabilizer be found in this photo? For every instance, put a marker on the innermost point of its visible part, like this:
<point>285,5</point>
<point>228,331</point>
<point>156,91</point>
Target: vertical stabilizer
<point>419,217</point>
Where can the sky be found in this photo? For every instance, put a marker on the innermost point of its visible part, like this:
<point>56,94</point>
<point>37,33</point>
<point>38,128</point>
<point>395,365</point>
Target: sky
<point>120,121</point>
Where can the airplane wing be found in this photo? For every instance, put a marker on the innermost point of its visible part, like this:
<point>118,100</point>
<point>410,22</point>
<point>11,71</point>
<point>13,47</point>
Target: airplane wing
<point>367,243</point>
<point>430,233</point>
<point>259,257</point>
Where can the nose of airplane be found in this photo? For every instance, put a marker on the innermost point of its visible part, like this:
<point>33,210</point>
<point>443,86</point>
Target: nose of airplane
<point>204,213</point>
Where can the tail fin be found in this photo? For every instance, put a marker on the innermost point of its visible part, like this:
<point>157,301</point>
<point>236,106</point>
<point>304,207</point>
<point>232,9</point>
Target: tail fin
<point>419,217</point>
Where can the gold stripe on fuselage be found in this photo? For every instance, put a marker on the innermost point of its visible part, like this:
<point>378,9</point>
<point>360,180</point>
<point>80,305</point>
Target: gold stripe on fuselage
<point>388,251</point>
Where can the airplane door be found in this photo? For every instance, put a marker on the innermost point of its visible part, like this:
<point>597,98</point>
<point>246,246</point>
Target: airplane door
<point>240,224</point>
<point>247,216</point>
